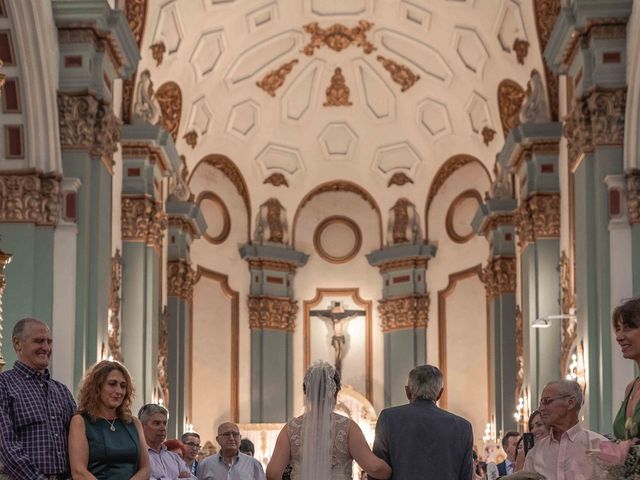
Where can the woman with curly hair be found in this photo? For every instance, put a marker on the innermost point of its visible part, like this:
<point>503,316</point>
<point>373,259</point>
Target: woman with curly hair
<point>105,440</point>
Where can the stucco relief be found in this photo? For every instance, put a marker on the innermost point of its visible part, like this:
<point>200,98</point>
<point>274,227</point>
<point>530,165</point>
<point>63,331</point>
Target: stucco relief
<point>181,279</point>
<point>273,80</point>
<point>86,122</point>
<point>404,312</point>
<point>169,97</point>
<point>401,74</point>
<point>337,93</point>
<point>404,223</point>
<point>146,107</point>
<point>273,313</point>
<point>338,37</point>
<point>536,106</point>
<point>29,198</point>
<point>499,276</point>
<point>143,221</point>
<point>277,180</point>
<point>510,98</point>
<point>569,325</point>
<point>114,307</point>
<point>519,333</point>
<point>538,217</point>
<point>633,196</point>
<point>163,356</point>
<point>271,224</point>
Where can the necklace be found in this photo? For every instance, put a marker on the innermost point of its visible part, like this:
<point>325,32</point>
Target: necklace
<point>112,424</point>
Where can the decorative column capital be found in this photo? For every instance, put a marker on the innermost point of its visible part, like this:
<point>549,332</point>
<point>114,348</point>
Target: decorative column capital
<point>597,119</point>
<point>499,276</point>
<point>143,221</point>
<point>633,195</point>
<point>90,124</point>
<point>273,313</point>
<point>538,217</point>
<point>29,197</point>
<point>181,279</point>
<point>404,312</point>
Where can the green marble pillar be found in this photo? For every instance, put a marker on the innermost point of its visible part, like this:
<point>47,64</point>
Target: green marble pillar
<point>404,311</point>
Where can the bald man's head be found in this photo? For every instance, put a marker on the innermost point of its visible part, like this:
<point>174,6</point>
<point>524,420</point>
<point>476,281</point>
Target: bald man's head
<point>229,439</point>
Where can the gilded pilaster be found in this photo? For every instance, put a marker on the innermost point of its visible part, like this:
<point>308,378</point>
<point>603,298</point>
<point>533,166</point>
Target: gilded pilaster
<point>404,312</point>
<point>499,276</point>
<point>181,279</point>
<point>143,220</point>
<point>273,313</point>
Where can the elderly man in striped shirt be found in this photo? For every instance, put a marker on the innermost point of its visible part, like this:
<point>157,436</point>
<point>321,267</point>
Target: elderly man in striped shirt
<point>35,410</point>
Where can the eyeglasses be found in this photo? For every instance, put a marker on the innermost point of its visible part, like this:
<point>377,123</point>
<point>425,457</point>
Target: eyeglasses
<point>545,401</point>
<point>230,434</point>
<point>193,445</point>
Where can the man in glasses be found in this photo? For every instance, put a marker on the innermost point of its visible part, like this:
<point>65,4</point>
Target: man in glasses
<point>192,442</point>
<point>230,463</point>
<point>563,454</point>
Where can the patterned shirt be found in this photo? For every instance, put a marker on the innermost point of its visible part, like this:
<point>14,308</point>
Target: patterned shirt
<point>243,467</point>
<point>166,465</point>
<point>35,412</point>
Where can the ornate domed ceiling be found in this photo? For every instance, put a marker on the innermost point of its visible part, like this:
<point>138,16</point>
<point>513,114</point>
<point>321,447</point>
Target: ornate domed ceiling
<point>301,92</point>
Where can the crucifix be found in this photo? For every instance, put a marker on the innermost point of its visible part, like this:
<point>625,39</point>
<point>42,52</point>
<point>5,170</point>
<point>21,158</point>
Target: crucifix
<point>336,316</point>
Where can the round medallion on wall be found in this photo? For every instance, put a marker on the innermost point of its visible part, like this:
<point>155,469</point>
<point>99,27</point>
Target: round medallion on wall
<point>217,217</point>
<point>460,214</point>
<point>337,239</point>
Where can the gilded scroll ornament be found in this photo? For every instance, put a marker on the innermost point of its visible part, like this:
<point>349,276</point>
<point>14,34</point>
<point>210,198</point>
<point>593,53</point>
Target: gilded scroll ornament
<point>169,96</point>
<point>510,99</point>
<point>29,198</point>
<point>488,134</point>
<point>273,313</point>
<point>568,301</point>
<point>136,12</point>
<point>181,279</point>
<point>5,259</point>
<point>163,356</point>
<point>277,180</point>
<point>157,52</point>
<point>86,122</point>
<point>2,76</point>
<point>337,93</point>
<point>143,221</point>
<point>399,178</point>
<point>404,312</point>
<point>546,13</point>
<point>338,37</point>
<point>633,196</point>
<point>499,276</point>
<point>521,48</point>
<point>401,74</point>
<point>114,307</point>
<point>273,80</point>
<point>538,217</point>
<point>191,137</point>
<point>596,119</point>
<point>519,333</point>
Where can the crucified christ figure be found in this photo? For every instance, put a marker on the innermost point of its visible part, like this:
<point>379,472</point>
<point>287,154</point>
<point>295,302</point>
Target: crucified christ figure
<point>338,316</point>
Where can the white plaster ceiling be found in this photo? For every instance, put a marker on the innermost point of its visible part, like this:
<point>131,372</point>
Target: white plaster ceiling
<point>217,51</point>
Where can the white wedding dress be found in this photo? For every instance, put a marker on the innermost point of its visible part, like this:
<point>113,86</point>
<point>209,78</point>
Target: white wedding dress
<point>341,461</point>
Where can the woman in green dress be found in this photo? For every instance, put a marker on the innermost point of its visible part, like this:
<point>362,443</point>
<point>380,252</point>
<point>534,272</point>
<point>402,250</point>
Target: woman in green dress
<point>626,323</point>
<point>105,441</point>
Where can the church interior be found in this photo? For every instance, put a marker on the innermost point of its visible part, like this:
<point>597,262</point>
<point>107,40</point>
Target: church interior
<point>219,193</point>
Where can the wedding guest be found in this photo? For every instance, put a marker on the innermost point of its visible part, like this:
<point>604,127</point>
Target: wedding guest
<point>509,445</point>
<point>537,426</point>
<point>247,447</point>
<point>105,441</point>
<point>35,409</point>
<point>164,464</point>
<point>191,442</point>
<point>563,454</point>
<point>626,323</point>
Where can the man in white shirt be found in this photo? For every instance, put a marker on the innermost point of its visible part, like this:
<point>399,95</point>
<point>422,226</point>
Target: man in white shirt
<point>230,463</point>
<point>563,454</point>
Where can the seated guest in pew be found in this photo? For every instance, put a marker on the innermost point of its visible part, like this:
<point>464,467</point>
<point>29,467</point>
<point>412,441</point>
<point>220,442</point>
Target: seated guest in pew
<point>105,441</point>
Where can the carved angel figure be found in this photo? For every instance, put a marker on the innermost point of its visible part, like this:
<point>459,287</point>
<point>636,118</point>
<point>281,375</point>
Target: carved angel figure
<point>404,224</point>
<point>501,187</point>
<point>271,224</point>
<point>536,106</point>
<point>146,107</point>
<point>178,187</point>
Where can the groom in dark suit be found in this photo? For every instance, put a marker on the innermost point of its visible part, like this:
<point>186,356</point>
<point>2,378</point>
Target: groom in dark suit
<point>421,441</point>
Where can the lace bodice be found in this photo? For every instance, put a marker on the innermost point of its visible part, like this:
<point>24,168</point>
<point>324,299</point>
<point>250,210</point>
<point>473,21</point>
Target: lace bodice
<point>341,460</point>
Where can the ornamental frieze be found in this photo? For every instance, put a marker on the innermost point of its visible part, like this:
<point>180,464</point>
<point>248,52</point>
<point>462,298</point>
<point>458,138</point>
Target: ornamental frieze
<point>274,313</point>
<point>143,221</point>
<point>499,276</point>
<point>404,312</point>
<point>538,217</point>
<point>88,123</point>
<point>180,280</point>
<point>633,196</point>
<point>596,119</point>
<point>30,197</point>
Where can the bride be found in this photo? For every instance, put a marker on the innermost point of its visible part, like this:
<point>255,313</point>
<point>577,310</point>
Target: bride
<point>321,445</point>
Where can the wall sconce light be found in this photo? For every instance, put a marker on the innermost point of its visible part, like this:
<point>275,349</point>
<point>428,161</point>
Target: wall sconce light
<point>545,322</point>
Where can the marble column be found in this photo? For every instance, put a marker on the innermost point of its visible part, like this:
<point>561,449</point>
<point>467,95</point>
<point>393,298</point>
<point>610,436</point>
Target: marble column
<point>272,313</point>
<point>588,45</point>
<point>495,221</point>
<point>404,311</point>
<point>186,223</point>
<point>96,48</point>
<point>148,155</point>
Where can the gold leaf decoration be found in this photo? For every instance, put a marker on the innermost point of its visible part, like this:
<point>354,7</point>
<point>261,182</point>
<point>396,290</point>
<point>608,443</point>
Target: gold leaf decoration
<point>510,99</point>
<point>401,74</point>
<point>169,97</point>
<point>275,78</point>
<point>338,92</point>
<point>277,180</point>
<point>157,52</point>
<point>338,37</point>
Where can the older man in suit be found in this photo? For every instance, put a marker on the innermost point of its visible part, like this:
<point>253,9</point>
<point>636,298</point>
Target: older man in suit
<point>421,441</point>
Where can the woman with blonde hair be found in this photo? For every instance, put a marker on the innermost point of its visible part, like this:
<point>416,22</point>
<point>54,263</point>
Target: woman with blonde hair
<point>105,440</point>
